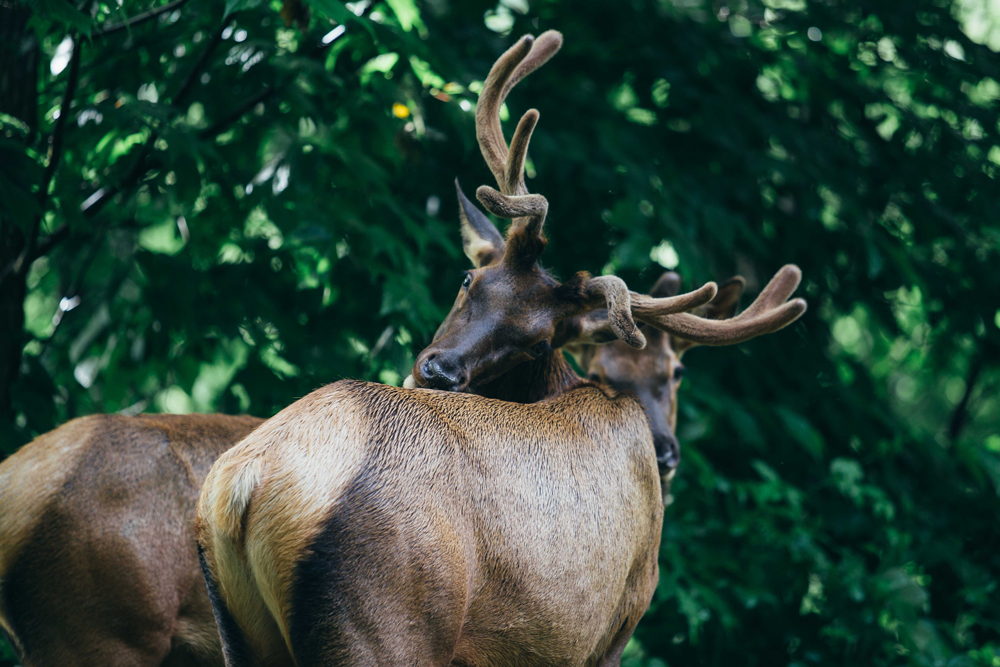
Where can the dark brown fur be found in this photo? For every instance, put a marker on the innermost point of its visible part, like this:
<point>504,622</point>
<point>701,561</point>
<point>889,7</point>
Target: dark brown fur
<point>97,556</point>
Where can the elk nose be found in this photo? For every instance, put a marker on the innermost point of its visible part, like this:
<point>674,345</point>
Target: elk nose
<point>668,451</point>
<point>439,373</point>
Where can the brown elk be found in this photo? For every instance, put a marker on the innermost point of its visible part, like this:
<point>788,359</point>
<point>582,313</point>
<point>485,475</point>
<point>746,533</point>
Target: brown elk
<point>653,374</point>
<point>98,564</point>
<point>367,524</point>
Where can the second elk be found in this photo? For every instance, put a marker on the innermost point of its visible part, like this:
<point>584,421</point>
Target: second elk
<point>368,524</point>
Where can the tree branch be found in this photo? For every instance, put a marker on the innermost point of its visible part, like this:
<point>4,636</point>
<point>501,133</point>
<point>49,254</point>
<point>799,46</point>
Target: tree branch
<point>192,76</point>
<point>269,91</point>
<point>97,201</point>
<point>140,18</point>
<point>50,241</point>
<point>60,128</point>
<point>958,416</point>
<point>55,156</point>
<point>218,126</point>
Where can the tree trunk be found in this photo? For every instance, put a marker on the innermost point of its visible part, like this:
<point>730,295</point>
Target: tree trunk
<point>18,98</point>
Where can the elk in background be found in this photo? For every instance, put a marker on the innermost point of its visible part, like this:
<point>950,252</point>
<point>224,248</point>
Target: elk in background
<point>98,564</point>
<point>653,374</point>
<point>367,524</point>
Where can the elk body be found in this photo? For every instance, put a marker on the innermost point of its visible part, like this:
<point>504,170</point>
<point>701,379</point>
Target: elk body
<point>367,524</point>
<point>98,564</point>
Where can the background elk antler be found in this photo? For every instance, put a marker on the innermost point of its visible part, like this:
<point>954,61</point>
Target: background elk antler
<point>769,312</point>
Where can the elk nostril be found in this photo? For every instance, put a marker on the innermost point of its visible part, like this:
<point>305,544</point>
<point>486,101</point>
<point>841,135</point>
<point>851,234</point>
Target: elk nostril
<point>668,451</point>
<point>438,375</point>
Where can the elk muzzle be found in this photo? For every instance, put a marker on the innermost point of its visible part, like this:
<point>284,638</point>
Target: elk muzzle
<point>439,370</point>
<point>668,451</point>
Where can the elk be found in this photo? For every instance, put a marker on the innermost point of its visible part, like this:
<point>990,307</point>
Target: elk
<point>98,564</point>
<point>653,374</point>
<point>367,524</point>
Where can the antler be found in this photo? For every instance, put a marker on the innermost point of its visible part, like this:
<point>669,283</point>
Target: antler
<point>622,306</point>
<point>513,200</point>
<point>768,313</point>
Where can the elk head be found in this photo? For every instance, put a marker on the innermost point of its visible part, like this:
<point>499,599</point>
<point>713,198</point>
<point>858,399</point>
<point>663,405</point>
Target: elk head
<point>510,311</point>
<point>653,374</point>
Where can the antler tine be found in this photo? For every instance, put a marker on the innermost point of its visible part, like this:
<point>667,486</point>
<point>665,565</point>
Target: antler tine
<point>644,306</point>
<point>778,289</point>
<point>514,176</point>
<point>527,55</point>
<point>768,313</point>
<point>612,293</point>
<point>512,201</point>
<point>488,129</point>
<point>533,207</point>
<point>545,46</point>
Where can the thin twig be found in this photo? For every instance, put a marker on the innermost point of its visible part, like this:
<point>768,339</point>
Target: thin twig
<point>958,416</point>
<point>50,241</point>
<point>139,18</point>
<point>60,128</point>
<point>269,91</point>
<point>55,156</point>
<point>192,76</point>
<point>218,126</point>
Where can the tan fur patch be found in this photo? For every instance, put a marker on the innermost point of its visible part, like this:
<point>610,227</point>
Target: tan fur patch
<point>476,247</point>
<point>265,499</point>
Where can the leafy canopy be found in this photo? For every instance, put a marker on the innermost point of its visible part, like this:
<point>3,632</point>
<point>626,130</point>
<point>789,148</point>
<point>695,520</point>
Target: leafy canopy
<point>245,209</point>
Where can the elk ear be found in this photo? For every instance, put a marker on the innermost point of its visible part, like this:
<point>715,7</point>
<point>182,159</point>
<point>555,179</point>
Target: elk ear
<point>726,301</point>
<point>669,284</point>
<point>481,240</point>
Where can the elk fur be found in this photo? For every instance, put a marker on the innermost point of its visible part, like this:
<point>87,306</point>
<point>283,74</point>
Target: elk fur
<point>98,564</point>
<point>368,524</point>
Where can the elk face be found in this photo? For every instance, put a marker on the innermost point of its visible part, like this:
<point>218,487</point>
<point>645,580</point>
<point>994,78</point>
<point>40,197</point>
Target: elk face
<point>654,373</point>
<point>507,310</point>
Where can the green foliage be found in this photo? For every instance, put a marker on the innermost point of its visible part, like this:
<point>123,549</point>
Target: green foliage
<point>295,223</point>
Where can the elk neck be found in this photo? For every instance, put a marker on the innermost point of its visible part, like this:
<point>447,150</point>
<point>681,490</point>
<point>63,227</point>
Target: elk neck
<point>532,381</point>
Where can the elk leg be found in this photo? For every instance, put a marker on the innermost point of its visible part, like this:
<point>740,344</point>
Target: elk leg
<point>613,656</point>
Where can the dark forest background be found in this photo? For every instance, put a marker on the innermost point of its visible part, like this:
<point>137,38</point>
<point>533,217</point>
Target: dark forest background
<point>208,207</point>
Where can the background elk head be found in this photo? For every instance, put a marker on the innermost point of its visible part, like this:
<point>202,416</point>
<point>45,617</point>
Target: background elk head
<point>654,373</point>
<point>509,311</point>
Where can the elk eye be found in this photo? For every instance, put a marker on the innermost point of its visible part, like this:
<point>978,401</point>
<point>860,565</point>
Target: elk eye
<point>594,377</point>
<point>540,348</point>
<point>467,281</point>
<point>678,373</point>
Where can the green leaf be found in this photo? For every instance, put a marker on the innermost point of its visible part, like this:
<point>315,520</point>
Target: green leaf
<point>63,12</point>
<point>333,9</point>
<point>233,6</point>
